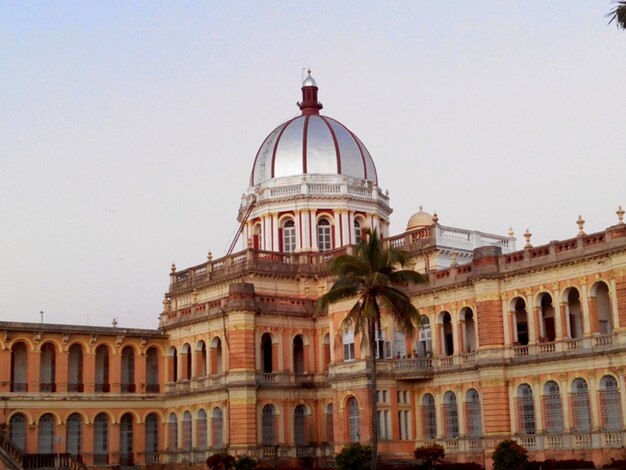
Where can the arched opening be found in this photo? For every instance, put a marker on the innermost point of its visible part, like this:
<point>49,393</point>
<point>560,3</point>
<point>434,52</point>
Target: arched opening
<point>45,434</point>
<point>101,439</point>
<point>152,439</point>
<point>201,430</point>
<point>450,415</point>
<point>47,368</point>
<point>152,370</point>
<point>19,368</point>
<point>127,457</point>
<point>348,346</point>
<point>128,370</point>
<point>429,417</point>
<point>186,447</point>
<point>354,420</point>
<point>521,321</point>
<point>266,353</point>
<point>447,336</point>
<point>172,358</point>
<point>330,426</point>
<point>326,351</point>
<point>324,235</point>
<point>288,239</point>
<point>473,414</point>
<point>357,231</point>
<point>185,353</point>
<point>102,369</point>
<point>268,429</point>
<point>547,318</point>
<point>526,409</point>
<point>581,410</point>
<point>75,369</point>
<point>217,428</point>
<point>299,426</point>
<point>552,407</point>
<point>469,330</point>
<point>216,356</point>
<point>424,344</point>
<point>202,359</point>
<point>74,434</point>
<point>603,308</point>
<point>610,402</point>
<point>257,237</point>
<point>298,355</point>
<point>17,431</point>
<point>172,433</point>
<point>574,313</point>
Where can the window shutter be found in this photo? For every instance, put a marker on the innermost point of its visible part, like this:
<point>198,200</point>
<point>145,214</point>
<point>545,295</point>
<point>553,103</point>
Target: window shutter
<point>280,240</point>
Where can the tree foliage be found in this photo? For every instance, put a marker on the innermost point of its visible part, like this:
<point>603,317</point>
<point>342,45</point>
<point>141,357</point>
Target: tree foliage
<point>509,455</point>
<point>428,456</point>
<point>618,14</point>
<point>354,457</point>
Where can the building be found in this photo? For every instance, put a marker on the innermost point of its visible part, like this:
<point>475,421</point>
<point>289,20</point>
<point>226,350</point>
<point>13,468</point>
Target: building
<point>528,343</point>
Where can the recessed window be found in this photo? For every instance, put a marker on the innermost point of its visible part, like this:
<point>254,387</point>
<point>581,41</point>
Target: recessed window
<point>324,235</point>
<point>289,236</point>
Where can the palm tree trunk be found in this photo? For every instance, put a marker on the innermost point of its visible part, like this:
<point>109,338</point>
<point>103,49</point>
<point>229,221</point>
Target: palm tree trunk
<point>373,395</point>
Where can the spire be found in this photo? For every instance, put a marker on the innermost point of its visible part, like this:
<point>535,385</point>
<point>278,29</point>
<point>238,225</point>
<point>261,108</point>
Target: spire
<point>309,104</point>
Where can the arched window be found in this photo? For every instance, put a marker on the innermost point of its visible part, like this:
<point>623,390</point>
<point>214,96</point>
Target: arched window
<point>526,409</point>
<point>101,439</point>
<point>152,438</point>
<point>74,434</point>
<point>267,353</point>
<point>425,344</point>
<point>17,431</point>
<point>268,429</point>
<point>102,369</point>
<point>45,434</point>
<point>330,429</point>
<point>185,359</point>
<point>152,371</point>
<point>217,428</point>
<point>450,415</point>
<point>521,321</point>
<point>126,440</point>
<point>299,426</point>
<point>429,417</point>
<point>128,370</point>
<point>469,330</point>
<point>216,356</point>
<point>172,433</point>
<point>298,355</point>
<point>201,359</point>
<point>358,231</point>
<point>552,409</point>
<point>47,366</point>
<point>354,420</point>
<point>324,235</point>
<point>574,313</point>
<point>75,369</point>
<point>348,346</point>
<point>473,414</point>
<point>19,368</point>
<point>610,401</point>
<point>257,237</point>
<point>289,236</point>
<point>581,411</point>
<point>447,338</point>
<point>326,351</point>
<point>603,307</point>
<point>201,430</point>
<point>547,318</point>
<point>186,431</point>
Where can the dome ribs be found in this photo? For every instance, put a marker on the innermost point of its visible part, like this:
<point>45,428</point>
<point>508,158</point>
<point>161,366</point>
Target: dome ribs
<point>305,133</point>
<point>360,147</point>
<point>332,134</point>
<point>285,126</point>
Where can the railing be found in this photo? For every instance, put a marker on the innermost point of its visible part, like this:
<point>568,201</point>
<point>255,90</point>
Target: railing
<point>52,461</point>
<point>269,451</point>
<point>612,439</point>
<point>582,440</point>
<point>603,340</point>
<point>103,388</point>
<point>128,388</point>
<point>304,451</point>
<point>153,388</point>
<point>76,388</point>
<point>11,450</point>
<point>530,442</point>
<point>47,387</point>
<point>520,350</point>
<point>19,387</point>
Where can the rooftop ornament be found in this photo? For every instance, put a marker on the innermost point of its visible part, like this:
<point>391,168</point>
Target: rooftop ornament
<point>173,268</point>
<point>581,225</point>
<point>511,233</point>
<point>435,216</point>
<point>620,215</point>
<point>209,256</point>
<point>527,236</point>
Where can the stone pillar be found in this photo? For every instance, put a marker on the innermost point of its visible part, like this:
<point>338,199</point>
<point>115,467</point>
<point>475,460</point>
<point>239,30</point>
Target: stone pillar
<point>620,299</point>
<point>61,372</point>
<point>140,373</point>
<point>559,331</point>
<point>460,337</point>
<point>115,371</point>
<point>89,371</point>
<point>533,326</point>
<point>274,224</point>
<point>565,402</point>
<point>615,316</point>
<point>593,315</point>
<point>538,319</point>
<point>584,308</point>
<point>5,370</point>
<point>565,324</point>
<point>497,407</point>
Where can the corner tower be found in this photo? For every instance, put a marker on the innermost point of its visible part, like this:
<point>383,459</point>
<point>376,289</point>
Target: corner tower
<point>313,186</point>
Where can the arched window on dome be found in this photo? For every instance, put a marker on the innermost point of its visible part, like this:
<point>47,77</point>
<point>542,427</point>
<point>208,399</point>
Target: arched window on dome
<point>288,237</point>
<point>257,237</point>
<point>324,234</point>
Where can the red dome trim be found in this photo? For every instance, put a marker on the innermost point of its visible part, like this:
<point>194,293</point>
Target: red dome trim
<point>305,133</point>
<point>358,144</point>
<point>332,134</point>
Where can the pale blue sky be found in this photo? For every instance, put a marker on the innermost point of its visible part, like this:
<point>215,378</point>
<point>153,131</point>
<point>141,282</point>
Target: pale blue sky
<point>128,129</point>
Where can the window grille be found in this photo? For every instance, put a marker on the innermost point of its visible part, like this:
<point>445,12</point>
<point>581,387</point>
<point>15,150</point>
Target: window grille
<point>268,426</point>
<point>102,369</point>
<point>126,439</point>
<point>217,428</point>
<point>47,368</point>
<point>128,370</point>
<point>186,431</point>
<point>324,235</point>
<point>17,431</point>
<point>610,401</point>
<point>526,409</point>
<point>330,430</point>
<point>429,417</point>
<point>152,436</point>
<point>152,371</point>
<point>101,439</point>
<point>19,368</point>
<point>450,415</point>
<point>45,434</point>
<point>348,346</point>
<point>172,432</point>
<point>299,426</point>
<point>289,236</point>
<point>201,430</point>
<point>581,411</point>
<point>354,419</point>
<point>75,369</point>
<point>473,414</point>
<point>552,409</point>
<point>74,433</point>
<point>404,423</point>
<point>384,433</point>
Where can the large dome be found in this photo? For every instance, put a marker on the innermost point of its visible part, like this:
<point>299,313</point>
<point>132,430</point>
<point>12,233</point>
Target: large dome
<point>312,144</point>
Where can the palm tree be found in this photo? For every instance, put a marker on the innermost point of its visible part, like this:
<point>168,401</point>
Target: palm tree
<point>373,278</point>
<point>618,14</point>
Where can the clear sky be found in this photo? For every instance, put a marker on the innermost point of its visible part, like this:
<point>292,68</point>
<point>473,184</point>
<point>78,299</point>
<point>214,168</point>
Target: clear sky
<point>128,129</point>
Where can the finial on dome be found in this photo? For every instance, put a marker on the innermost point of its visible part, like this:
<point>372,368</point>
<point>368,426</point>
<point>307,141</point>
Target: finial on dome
<point>309,104</point>
<point>620,215</point>
<point>435,218</point>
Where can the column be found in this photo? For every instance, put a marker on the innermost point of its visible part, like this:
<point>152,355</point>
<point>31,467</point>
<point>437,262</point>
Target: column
<point>140,372</point>
<point>274,224</point>
<point>459,339</point>
<point>559,332</point>
<point>614,304</point>
<point>61,372</point>
<point>584,307</point>
<point>89,371</point>
<point>532,321</point>
<point>33,358</point>
<point>115,371</point>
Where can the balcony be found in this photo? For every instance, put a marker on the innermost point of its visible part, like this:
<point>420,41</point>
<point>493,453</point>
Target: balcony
<point>413,368</point>
<point>565,347</point>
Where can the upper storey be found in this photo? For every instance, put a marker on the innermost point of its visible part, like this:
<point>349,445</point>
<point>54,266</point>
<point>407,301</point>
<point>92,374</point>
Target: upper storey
<point>311,144</point>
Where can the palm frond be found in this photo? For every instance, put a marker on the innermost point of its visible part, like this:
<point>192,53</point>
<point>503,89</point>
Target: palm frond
<point>407,276</point>
<point>618,14</point>
<point>398,305</point>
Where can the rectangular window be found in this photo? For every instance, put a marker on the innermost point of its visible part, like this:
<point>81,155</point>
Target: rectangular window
<point>384,431</point>
<point>403,397</point>
<point>382,396</point>
<point>404,423</point>
<point>348,346</point>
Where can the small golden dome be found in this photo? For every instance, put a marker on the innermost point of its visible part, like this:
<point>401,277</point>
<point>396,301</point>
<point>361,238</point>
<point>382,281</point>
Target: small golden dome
<point>420,219</point>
